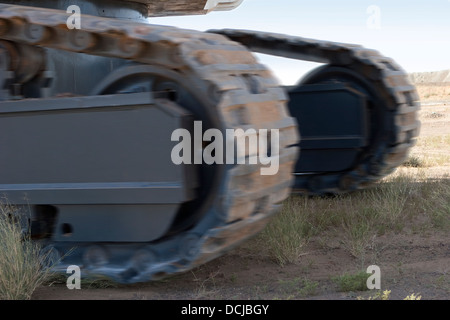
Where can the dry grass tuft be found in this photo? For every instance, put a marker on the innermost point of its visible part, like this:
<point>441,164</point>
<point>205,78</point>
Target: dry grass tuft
<point>21,260</point>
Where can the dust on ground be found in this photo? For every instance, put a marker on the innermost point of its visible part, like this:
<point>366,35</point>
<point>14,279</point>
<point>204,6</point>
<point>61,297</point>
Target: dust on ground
<point>409,263</point>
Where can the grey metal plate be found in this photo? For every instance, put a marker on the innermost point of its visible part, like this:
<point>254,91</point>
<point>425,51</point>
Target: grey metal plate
<point>88,150</point>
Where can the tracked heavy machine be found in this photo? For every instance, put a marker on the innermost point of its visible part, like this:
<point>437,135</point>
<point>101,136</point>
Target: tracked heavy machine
<point>87,115</point>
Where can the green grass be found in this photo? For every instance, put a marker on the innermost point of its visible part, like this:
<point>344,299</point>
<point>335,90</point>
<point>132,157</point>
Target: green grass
<point>86,282</point>
<point>437,206</point>
<point>21,260</point>
<point>287,233</point>
<point>352,282</point>
<point>404,200</point>
<point>298,287</point>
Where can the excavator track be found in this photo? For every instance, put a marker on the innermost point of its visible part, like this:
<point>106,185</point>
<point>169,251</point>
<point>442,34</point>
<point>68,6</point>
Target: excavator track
<point>245,96</point>
<point>392,84</point>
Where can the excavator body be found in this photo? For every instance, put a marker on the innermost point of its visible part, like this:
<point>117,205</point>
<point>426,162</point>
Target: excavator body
<point>92,116</point>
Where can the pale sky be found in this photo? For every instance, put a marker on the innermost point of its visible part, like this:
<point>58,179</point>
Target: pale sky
<point>415,33</point>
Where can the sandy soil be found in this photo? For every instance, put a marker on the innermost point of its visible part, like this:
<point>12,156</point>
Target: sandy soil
<point>409,263</point>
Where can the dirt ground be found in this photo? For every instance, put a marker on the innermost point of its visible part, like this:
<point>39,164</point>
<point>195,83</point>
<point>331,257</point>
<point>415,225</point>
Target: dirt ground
<point>409,263</point>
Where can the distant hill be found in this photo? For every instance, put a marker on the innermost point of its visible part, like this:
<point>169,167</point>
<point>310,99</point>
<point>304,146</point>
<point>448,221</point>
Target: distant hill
<point>430,77</point>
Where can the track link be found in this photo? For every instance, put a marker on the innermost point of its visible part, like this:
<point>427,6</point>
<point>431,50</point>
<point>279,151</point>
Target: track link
<point>399,96</point>
<point>244,95</point>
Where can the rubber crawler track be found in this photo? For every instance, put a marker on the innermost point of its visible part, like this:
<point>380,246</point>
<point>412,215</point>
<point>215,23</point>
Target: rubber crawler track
<point>246,96</point>
<point>398,94</point>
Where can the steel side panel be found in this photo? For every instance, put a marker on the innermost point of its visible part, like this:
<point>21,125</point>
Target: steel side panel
<point>88,155</point>
<point>115,223</point>
<point>330,116</point>
<point>333,123</point>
